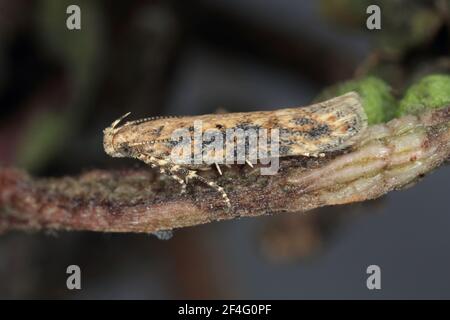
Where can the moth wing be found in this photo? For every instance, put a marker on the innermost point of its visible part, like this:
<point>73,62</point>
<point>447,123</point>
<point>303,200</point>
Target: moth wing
<point>319,128</point>
<point>324,127</point>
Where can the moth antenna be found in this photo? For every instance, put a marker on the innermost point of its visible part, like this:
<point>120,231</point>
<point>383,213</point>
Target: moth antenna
<point>115,123</point>
<point>149,142</point>
<point>151,119</point>
<point>163,140</point>
<point>218,168</point>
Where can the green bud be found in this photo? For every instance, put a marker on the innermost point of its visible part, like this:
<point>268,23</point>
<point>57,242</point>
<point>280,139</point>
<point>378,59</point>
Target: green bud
<point>378,102</point>
<point>431,92</point>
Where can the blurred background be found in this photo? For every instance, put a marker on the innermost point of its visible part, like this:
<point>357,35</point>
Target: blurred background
<point>60,88</point>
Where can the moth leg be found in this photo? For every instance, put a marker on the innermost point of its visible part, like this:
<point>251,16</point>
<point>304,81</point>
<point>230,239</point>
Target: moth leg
<point>165,168</point>
<point>172,173</point>
<point>172,170</point>
<point>315,155</point>
<point>218,168</point>
<point>193,175</point>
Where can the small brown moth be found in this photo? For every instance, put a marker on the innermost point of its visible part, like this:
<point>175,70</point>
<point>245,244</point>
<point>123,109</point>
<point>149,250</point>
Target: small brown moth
<point>309,131</point>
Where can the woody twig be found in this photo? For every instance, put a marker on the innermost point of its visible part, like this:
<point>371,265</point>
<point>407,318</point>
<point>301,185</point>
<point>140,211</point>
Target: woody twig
<point>388,157</point>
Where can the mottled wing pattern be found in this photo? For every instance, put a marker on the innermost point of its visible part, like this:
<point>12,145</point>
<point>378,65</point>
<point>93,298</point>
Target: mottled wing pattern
<point>319,128</point>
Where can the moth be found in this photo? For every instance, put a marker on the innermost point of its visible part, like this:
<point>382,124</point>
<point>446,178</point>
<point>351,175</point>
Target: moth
<point>309,131</point>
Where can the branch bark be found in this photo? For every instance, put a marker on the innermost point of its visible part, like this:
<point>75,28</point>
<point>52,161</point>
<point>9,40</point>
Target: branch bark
<point>389,157</point>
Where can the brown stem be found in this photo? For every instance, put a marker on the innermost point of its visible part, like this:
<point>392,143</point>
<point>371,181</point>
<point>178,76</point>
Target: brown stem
<point>388,157</point>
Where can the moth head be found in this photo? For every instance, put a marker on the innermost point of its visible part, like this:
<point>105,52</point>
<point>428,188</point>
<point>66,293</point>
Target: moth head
<point>113,147</point>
